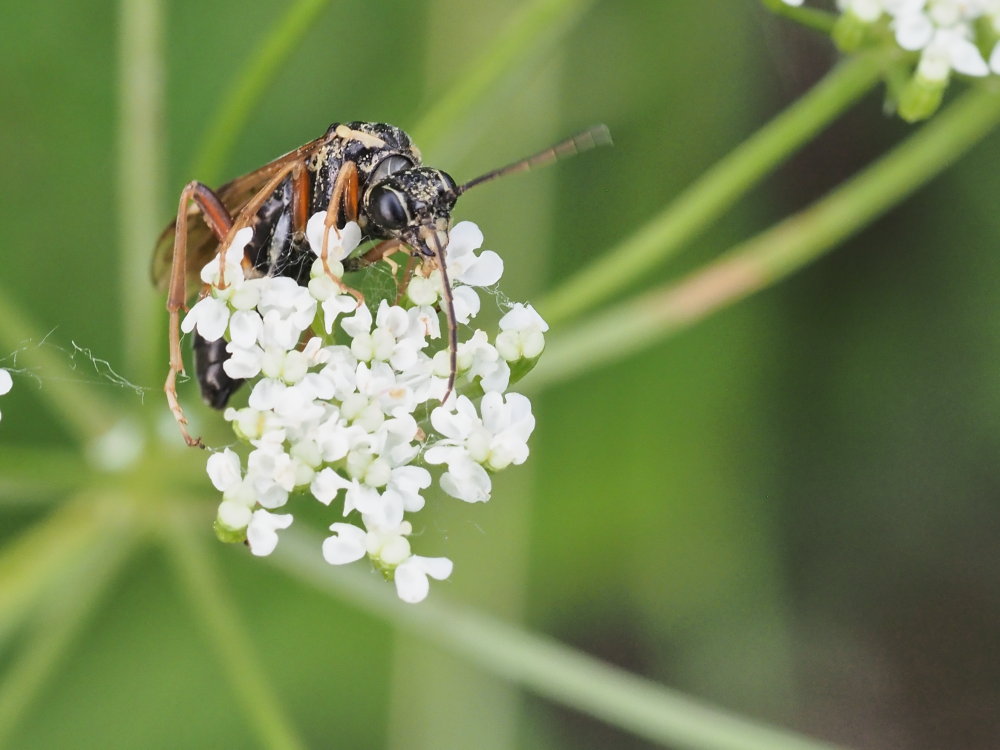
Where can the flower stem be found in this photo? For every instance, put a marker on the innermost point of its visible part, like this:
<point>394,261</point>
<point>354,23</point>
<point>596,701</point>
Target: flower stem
<point>36,559</point>
<point>140,174</point>
<point>715,191</point>
<point>235,109</point>
<point>777,252</point>
<point>232,644</point>
<point>66,612</point>
<point>40,476</point>
<point>537,23</point>
<point>543,665</point>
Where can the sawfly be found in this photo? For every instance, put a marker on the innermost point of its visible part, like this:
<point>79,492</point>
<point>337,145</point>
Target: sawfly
<point>366,172</point>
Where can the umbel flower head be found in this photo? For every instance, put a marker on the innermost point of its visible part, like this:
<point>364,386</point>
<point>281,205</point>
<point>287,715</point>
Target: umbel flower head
<point>345,401</point>
<point>945,37</point>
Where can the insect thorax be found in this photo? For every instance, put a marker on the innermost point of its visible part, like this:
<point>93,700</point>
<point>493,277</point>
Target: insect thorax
<point>372,147</point>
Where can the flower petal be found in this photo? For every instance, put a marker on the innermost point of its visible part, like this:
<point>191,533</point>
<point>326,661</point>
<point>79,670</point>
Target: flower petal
<point>345,546</point>
<point>262,533</point>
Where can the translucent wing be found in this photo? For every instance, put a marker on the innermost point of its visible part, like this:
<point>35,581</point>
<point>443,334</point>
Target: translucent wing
<point>201,243</point>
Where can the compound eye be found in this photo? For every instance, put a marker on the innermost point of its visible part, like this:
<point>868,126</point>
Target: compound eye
<point>390,165</point>
<point>386,209</point>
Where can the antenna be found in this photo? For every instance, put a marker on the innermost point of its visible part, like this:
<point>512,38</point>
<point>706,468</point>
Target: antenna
<point>592,137</point>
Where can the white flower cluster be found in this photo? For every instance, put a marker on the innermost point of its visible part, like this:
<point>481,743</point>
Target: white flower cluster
<point>943,31</point>
<point>950,35</point>
<point>345,404</point>
<point>6,383</point>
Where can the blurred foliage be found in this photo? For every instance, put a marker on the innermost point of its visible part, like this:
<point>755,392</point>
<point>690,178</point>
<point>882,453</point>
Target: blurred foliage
<point>789,510</point>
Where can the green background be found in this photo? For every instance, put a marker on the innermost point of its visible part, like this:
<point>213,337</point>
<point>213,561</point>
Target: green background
<point>789,510</point>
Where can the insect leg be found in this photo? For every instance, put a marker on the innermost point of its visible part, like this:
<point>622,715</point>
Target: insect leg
<point>216,386</point>
<point>301,198</point>
<point>411,265</point>
<point>430,237</point>
<point>449,301</point>
<point>343,198</point>
<point>220,222</point>
<point>381,251</point>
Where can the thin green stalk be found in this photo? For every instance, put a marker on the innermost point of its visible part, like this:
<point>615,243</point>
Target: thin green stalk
<point>78,407</point>
<point>813,18</point>
<point>715,191</point>
<point>140,173</point>
<point>232,644</point>
<point>774,254</point>
<point>536,24</point>
<point>68,609</point>
<point>540,664</point>
<point>30,475</point>
<point>264,65</point>
<point>35,560</point>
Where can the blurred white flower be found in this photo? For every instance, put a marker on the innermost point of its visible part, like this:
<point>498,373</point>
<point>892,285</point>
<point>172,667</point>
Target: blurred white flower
<point>6,383</point>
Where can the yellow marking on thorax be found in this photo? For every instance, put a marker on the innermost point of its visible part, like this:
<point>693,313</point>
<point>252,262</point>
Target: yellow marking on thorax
<point>367,139</point>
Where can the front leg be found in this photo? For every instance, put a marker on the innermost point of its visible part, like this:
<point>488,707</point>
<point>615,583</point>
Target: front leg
<point>216,386</point>
<point>217,218</point>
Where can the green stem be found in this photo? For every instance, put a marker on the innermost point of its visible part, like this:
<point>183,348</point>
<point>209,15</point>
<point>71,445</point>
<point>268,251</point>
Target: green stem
<point>813,18</point>
<point>33,475</point>
<point>536,24</point>
<point>542,665</point>
<point>68,609</point>
<point>140,174</point>
<point>37,559</point>
<point>774,254</point>
<point>714,192</point>
<point>232,644</point>
<point>246,92</point>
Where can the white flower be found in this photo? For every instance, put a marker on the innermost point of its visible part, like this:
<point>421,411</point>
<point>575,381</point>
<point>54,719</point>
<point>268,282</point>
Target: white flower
<point>465,479</point>
<point>343,399</point>
<point>464,266</point>
<point>411,576</point>
<point>339,243</point>
<point>282,299</point>
<point>232,269</point>
<point>262,533</point>
<point>522,333</point>
<point>396,338</point>
<point>511,423</point>
<point>943,31</point>
<point>245,328</point>
<point>234,516</point>
<point>330,295</point>
<point>465,270</point>
<point>949,50</point>
<point>477,359</point>
<point>389,549</point>
<point>210,316</point>
<point>386,547</point>
<point>424,290</point>
<point>346,545</point>
<point>497,440</point>
<point>6,383</point>
<point>867,11</point>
